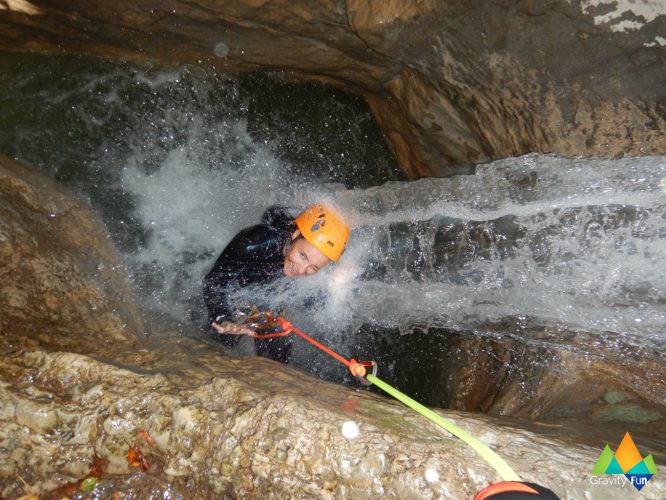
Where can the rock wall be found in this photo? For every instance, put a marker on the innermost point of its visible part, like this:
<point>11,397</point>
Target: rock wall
<point>254,429</point>
<point>450,83</point>
<point>61,281</point>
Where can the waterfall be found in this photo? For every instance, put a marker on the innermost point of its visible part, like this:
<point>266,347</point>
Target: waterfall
<point>571,244</point>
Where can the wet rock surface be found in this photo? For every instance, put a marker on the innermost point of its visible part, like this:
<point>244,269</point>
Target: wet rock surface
<point>61,280</point>
<point>593,393</point>
<point>253,428</point>
<point>450,83</point>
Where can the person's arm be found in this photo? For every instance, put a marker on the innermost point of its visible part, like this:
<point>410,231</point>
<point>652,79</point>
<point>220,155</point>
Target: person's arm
<point>247,248</point>
<point>216,297</point>
<point>215,292</point>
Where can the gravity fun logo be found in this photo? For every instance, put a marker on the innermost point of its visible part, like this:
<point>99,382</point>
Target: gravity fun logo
<point>626,461</point>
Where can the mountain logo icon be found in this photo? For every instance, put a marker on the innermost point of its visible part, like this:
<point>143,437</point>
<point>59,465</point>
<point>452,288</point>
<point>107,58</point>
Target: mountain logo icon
<point>626,460</point>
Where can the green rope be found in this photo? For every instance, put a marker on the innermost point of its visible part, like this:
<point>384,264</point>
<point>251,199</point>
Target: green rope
<point>504,470</point>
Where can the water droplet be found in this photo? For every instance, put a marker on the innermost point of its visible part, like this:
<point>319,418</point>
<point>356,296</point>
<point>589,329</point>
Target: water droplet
<point>221,49</point>
<point>350,430</point>
<point>431,475</point>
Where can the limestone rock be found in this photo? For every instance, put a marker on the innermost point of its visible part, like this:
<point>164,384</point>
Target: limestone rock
<point>450,83</point>
<point>253,429</point>
<point>61,281</point>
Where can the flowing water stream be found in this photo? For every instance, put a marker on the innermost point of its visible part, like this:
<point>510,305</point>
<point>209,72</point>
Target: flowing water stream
<point>539,253</point>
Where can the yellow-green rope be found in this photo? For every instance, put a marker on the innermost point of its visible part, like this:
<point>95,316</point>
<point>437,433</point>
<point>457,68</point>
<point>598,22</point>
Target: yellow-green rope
<point>498,463</point>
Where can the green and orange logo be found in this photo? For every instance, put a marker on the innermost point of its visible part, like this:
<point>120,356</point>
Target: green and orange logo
<point>628,461</point>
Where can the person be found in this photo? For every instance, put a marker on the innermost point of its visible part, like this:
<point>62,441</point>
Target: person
<point>263,253</point>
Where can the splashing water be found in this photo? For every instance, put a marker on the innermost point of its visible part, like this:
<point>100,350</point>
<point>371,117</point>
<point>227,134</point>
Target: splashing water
<point>575,244</point>
<point>177,161</point>
<point>526,244</point>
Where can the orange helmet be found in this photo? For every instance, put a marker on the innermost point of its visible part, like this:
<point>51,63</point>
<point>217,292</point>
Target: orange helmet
<point>324,229</point>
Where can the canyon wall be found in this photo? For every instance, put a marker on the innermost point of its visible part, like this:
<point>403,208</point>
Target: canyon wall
<point>450,83</point>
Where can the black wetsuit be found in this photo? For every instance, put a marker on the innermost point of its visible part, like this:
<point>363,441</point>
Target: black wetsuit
<point>255,256</point>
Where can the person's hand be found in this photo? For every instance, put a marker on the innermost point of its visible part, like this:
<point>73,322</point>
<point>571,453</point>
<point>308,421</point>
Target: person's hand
<point>229,328</point>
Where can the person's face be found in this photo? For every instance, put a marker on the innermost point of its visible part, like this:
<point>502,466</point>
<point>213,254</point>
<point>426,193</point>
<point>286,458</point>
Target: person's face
<point>302,259</point>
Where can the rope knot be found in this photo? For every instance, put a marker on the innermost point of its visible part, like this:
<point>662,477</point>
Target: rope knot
<point>357,369</point>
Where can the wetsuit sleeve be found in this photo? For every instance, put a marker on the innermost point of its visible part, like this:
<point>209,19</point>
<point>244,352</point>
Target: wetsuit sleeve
<point>215,292</point>
<point>241,262</point>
